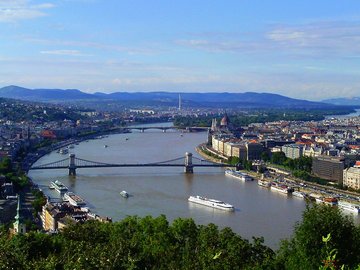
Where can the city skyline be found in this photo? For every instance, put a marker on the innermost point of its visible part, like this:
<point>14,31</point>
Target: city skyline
<point>306,50</point>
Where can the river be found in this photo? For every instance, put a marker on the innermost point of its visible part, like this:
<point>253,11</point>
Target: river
<point>155,191</point>
<point>345,116</point>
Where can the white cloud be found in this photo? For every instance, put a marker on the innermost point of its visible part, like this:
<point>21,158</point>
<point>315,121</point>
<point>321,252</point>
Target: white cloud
<point>147,49</point>
<point>64,52</point>
<point>17,10</point>
<point>333,38</point>
<point>337,37</point>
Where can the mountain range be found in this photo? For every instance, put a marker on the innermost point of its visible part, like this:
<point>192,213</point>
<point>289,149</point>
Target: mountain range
<point>220,100</point>
<point>354,101</point>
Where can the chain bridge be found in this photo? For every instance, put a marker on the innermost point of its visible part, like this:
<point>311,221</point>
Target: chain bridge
<point>72,163</point>
<point>164,129</point>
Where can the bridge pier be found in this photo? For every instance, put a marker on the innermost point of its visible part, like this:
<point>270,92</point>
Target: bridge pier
<point>72,166</point>
<point>164,130</point>
<point>189,168</point>
<point>142,130</point>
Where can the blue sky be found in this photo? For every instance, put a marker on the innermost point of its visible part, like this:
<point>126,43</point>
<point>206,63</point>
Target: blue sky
<point>302,49</point>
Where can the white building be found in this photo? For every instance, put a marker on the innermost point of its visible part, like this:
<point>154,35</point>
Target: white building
<point>351,177</point>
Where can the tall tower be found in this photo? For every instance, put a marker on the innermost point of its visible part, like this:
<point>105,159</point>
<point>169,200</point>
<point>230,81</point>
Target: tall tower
<point>19,226</point>
<point>179,102</point>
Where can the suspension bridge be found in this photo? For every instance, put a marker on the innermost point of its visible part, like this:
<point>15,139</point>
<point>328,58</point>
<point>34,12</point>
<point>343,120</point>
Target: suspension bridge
<point>164,129</point>
<point>72,163</point>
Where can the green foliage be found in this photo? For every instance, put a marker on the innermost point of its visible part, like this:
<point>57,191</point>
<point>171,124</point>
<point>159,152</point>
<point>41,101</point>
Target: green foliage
<point>134,243</point>
<point>19,180</point>
<point>306,247</point>
<point>39,201</point>
<point>278,158</point>
<point>153,243</point>
<point>234,160</point>
<point>265,156</point>
<point>5,166</point>
<point>330,262</point>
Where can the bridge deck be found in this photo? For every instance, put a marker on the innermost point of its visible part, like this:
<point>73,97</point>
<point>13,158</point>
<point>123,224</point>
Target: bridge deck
<point>131,165</point>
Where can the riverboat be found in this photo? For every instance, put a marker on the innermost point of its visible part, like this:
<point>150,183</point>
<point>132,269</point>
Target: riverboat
<point>58,186</point>
<point>264,183</point>
<point>124,194</point>
<point>238,175</point>
<point>349,206</point>
<point>63,151</point>
<point>74,199</point>
<point>282,188</point>
<point>327,200</point>
<point>299,194</point>
<point>211,203</point>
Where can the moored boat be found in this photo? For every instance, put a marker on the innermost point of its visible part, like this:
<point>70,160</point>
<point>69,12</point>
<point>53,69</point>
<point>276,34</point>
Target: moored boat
<point>238,175</point>
<point>74,199</point>
<point>282,188</point>
<point>299,194</point>
<point>264,183</point>
<point>349,206</point>
<point>327,200</point>
<point>211,203</point>
<point>63,151</point>
<point>58,186</point>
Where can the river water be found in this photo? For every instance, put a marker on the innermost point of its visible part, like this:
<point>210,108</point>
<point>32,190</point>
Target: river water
<point>155,191</point>
<point>345,116</point>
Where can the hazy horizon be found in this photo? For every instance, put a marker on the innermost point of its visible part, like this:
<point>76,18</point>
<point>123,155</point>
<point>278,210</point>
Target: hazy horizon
<point>306,50</point>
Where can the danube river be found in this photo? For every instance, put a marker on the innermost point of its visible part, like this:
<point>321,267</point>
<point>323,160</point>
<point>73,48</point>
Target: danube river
<point>156,191</point>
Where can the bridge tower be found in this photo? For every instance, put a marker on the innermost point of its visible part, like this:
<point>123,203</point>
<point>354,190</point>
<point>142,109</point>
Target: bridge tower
<point>189,168</point>
<point>72,166</point>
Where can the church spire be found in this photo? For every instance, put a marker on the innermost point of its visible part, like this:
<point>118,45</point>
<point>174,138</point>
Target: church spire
<point>18,217</point>
<point>19,226</point>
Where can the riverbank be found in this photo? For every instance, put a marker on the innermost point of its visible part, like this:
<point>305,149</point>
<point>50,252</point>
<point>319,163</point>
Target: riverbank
<point>202,150</point>
<point>354,197</point>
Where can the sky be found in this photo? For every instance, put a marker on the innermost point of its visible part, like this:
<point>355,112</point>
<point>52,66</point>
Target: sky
<point>302,49</point>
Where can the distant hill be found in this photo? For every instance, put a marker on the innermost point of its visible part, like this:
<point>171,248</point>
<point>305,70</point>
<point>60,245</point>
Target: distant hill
<point>17,92</point>
<point>215,100</point>
<point>354,101</point>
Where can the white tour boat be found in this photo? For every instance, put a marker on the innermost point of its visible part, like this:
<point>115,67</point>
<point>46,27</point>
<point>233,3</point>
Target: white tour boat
<point>282,188</point>
<point>58,186</point>
<point>349,206</point>
<point>211,203</point>
<point>74,199</point>
<point>238,175</point>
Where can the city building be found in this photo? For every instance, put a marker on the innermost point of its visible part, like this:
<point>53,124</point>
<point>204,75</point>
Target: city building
<point>328,168</point>
<point>240,151</point>
<point>292,150</point>
<point>254,150</point>
<point>312,151</point>
<point>56,216</point>
<point>351,177</point>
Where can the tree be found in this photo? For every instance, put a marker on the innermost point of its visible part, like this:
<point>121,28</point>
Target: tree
<point>278,158</point>
<point>306,247</point>
<point>265,156</point>
<point>5,166</point>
